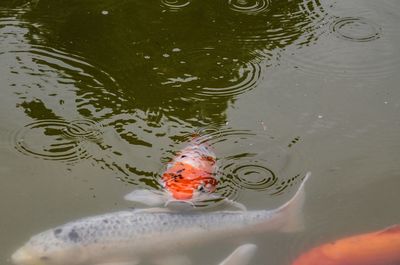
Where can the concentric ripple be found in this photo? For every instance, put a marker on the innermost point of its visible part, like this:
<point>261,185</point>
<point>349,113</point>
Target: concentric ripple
<point>175,5</point>
<point>355,29</point>
<point>373,61</point>
<point>253,177</point>
<point>275,27</point>
<point>214,136</point>
<point>285,183</point>
<point>247,77</point>
<point>223,76</point>
<point>251,161</point>
<point>249,6</point>
<point>62,78</point>
<point>359,56</point>
<point>84,129</point>
<point>56,139</point>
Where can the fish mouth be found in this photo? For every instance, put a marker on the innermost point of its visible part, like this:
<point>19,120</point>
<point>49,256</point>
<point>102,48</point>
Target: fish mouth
<point>22,257</point>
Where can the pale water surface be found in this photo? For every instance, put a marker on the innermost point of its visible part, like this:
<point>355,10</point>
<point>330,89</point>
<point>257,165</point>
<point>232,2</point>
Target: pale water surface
<point>96,96</point>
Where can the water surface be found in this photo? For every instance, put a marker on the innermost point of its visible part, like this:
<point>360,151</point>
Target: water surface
<point>96,96</point>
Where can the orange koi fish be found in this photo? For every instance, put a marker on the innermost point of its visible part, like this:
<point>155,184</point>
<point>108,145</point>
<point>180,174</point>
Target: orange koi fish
<point>376,248</point>
<point>189,178</point>
<point>192,170</point>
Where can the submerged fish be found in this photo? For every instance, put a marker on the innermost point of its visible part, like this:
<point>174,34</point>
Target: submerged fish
<point>129,237</point>
<point>241,255</point>
<point>190,177</point>
<point>376,248</point>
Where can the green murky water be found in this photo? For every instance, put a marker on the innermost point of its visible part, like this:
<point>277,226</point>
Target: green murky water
<point>96,96</point>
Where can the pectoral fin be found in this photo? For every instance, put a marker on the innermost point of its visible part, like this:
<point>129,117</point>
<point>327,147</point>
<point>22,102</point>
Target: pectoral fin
<point>241,255</point>
<point>147,197</point>
<point>199,197</point>
<point>179,205</point>
<point>172,260</point>
<point>182,205</point>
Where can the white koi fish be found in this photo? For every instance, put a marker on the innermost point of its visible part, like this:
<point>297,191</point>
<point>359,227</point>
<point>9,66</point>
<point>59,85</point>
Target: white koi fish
<point>154,235</point>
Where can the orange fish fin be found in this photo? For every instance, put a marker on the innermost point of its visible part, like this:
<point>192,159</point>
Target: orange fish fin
<point>391,229</point>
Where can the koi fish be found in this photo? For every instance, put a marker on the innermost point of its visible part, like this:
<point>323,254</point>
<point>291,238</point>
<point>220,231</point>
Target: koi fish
<point>376,248</point>
<point>154,235</point>
<point>189,178</point>
<point>192,170</point>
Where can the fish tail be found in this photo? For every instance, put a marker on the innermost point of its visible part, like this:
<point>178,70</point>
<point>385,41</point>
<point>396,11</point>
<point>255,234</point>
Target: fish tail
<point>241,255</point>
<point>291,213</point>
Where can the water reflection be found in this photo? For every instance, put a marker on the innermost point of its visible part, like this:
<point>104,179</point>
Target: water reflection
<point>57,139</point>
<point>249,7</point>
<point>134,79</point>
<point>255,161</point>
<point>353,45</point>
<point>204,48</point>
<point>175,5</point>
<point>253,177</point>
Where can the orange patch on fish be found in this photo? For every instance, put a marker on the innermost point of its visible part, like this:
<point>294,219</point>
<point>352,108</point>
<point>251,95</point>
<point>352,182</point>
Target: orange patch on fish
<point>191,172</point>
<point>183,179</point>
<point>375,248</point>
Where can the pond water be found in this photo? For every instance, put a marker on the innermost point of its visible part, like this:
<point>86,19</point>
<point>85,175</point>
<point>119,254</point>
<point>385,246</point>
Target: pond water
<point>97,95</point>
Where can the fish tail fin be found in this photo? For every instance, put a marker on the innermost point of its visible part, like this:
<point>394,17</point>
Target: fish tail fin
<point>292,211</point>
<point>242,255</point>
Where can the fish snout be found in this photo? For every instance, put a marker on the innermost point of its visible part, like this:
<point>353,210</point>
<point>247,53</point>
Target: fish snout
<point>23,257</point>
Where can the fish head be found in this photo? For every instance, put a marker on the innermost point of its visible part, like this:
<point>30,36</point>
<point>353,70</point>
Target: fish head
<point>27,256</point>
<point>184,181</point>
<point>198,155</point>
<point>46,249</point>
<point>189,189</point>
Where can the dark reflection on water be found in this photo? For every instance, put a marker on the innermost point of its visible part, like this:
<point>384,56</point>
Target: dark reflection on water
<point>124,82</point>
<point>205,51</point>
<point>249,7</point>
<point>57,139</point>
<point>175,5</point>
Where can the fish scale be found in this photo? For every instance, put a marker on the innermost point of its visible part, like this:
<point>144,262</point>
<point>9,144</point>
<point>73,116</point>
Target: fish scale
<point>126,224</point>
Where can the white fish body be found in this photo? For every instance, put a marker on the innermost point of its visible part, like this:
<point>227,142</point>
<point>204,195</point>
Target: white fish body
<point>128,237</point>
